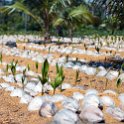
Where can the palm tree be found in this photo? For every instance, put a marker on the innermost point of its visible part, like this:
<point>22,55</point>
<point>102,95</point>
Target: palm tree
<point>43,11</point>
<point>46,12</point>
<point>113,11</point>
<point>73,17</point>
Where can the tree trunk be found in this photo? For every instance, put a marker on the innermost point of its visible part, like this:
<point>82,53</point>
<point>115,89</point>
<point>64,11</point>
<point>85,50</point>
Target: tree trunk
<point>70,35</point>
<point>47,22</point>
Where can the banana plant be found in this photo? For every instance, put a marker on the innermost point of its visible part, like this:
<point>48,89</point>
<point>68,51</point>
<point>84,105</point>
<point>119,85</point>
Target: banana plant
<point>12,67</point>
<point>43,78</point>
<point>36,66</point>
<point>1,58</point>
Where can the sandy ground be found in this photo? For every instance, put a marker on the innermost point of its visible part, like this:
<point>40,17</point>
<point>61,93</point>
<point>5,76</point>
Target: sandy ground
<point>11,112</point>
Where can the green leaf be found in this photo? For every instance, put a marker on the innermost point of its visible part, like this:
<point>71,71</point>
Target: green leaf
<point>36,65</point>
<point>53,85</point>
<point>45,69</point>
<point>7,68</point>
<point>57,68</point>
<point>40,78</point>
<point>57,82</point>
<point>122,66</point>
<point>20,7</point>
<point>58,21</point>
<point>119,82</point>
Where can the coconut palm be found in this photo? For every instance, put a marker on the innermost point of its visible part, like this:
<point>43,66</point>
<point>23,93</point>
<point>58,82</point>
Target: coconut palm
<point>73,17</point>
<point>113,11</point>
<point>43,11</point>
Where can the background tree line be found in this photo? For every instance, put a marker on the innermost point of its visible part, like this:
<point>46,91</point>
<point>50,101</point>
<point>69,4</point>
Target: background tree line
<point>62,17</point>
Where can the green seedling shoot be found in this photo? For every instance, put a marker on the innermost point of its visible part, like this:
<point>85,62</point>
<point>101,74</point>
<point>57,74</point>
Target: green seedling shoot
<point>77,76</point>
<point>36,66</point>
<point>60,72</point>
<point>1,58</point>
<point>44,77</point>
<point>12,67</point>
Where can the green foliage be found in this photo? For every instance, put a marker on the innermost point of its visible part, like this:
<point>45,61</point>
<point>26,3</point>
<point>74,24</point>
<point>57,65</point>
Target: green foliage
<point>43,12</point>
<point>112,12</point>
<point>122,67</point>
<point>85,47</point>
<point>73,17</point>
<point>56,83</point>
<point>23,79</point>
<point>118,82</point>
<point>58,79</point>
<point>12,67</point>
<point>59,71</point>
<point>7,69</point>
<point>44,74</point>
<point>97,48</point>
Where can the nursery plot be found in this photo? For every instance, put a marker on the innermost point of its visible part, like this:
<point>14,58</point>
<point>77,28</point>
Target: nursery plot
<point>47,86</point>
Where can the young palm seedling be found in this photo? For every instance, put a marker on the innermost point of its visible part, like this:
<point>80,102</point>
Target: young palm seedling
<point>56,83</point>
<point>36,66</point>
<point>12,67</point>
<point>119,80</point>
<point>1,58</point>
<point>77,76</point>
<point>23,79</point>
<point>59,72</point>
<point>7,69</point>
<point>97,48</point>
<point>85,47</point>
<point>44,74</point>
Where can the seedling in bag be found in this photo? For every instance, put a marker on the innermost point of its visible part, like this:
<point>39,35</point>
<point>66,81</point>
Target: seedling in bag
<point>12,67</point>
<point>44,77</point>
